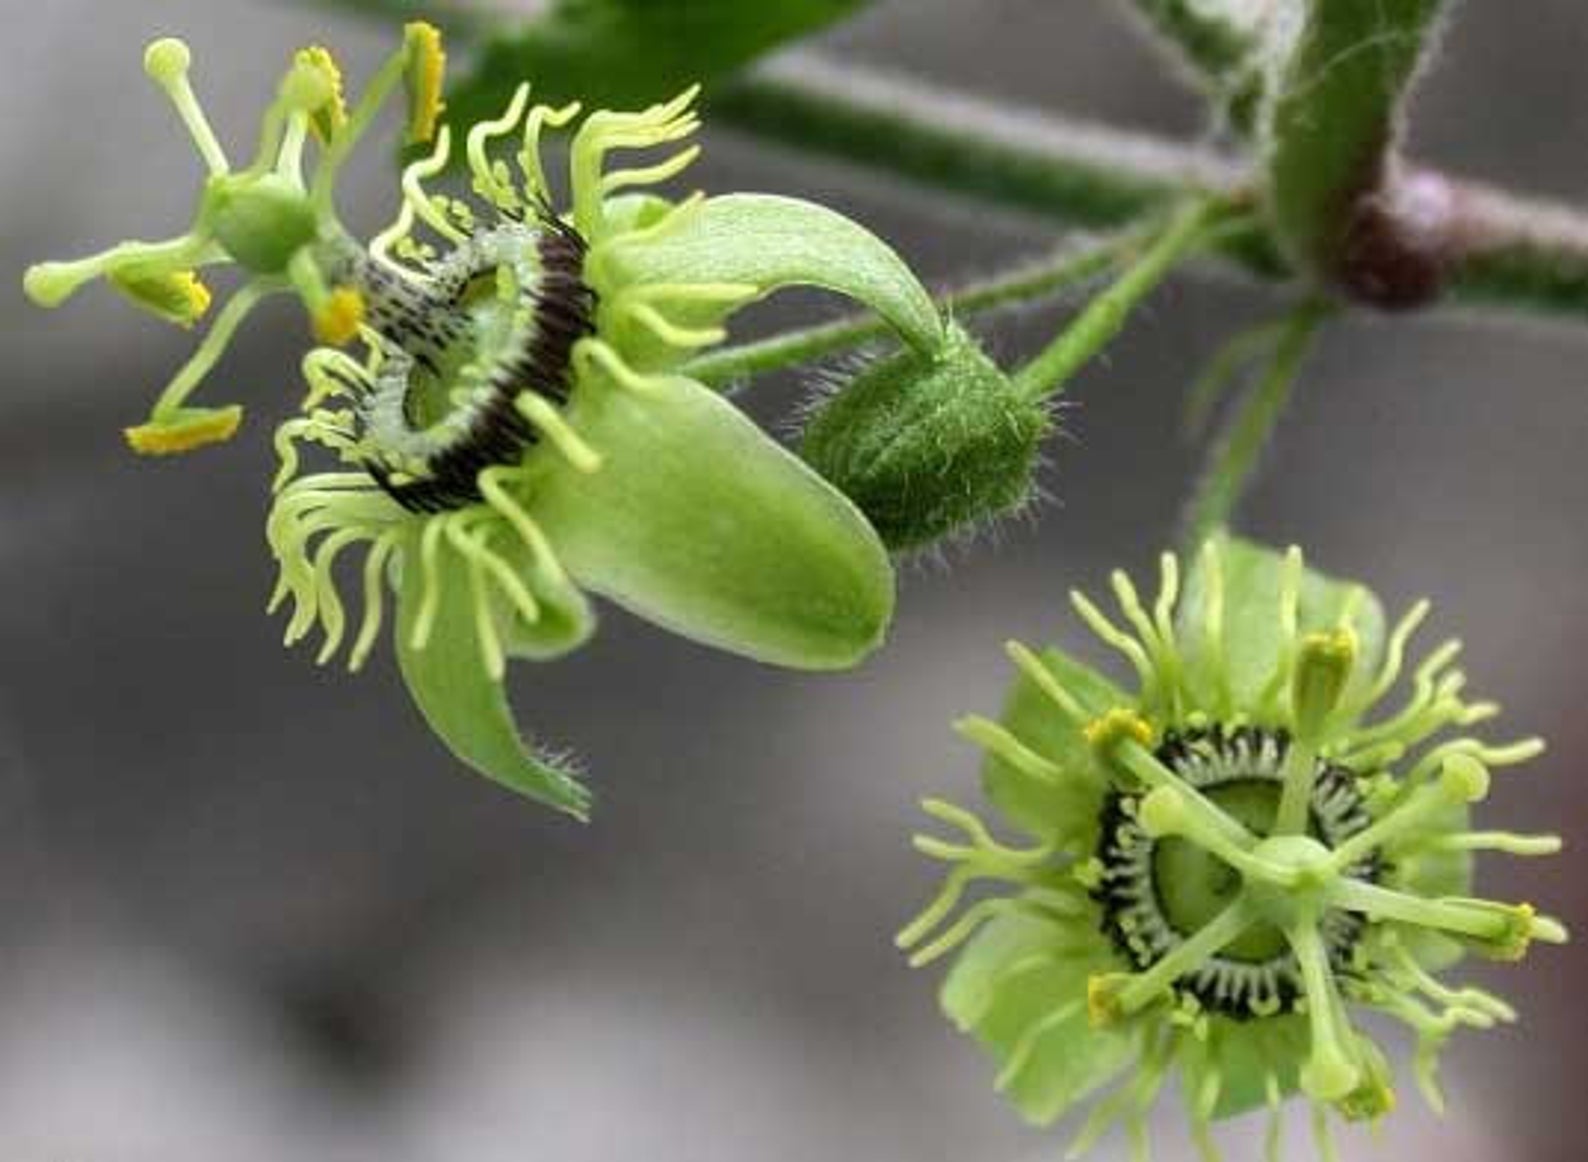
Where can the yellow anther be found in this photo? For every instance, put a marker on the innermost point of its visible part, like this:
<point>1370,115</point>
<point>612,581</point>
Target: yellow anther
<point>1102,999</point>
<point>1116,726</point>
<point>328,118</point>
<point>427,62</point>
<point>1371,1101</point>
<point>177,296</point>
<point>338,321</point>
<point>1324,662</point>
<point>185,432</point>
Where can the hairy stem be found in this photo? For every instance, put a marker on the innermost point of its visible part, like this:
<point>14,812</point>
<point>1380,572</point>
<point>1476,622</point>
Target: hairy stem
<point>1509,252</point>
<point>1028,283</point>
<point>1235,456</point>
<point>1332,123</point>
<point>1105,315</point>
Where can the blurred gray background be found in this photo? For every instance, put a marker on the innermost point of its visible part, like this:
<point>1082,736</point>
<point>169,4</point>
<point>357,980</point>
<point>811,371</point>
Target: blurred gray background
<point>249,910</point>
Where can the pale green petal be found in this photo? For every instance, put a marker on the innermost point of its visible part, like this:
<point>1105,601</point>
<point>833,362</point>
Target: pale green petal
<point>460,700</point>
<point>999,990</point>
<point>1434,875</point>
<point>1066,810</point>
<point>1253,634</point>
<point>700,522</point>
<point>766,242</point>
<point>1247,1054</point>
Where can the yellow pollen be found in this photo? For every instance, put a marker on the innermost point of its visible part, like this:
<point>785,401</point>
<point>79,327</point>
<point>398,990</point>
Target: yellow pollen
<point>1111,729</point>
<point>169,437</point>
<point>338,321</point>
<point>427,61</point>
<point>328,119</point>
<point>177,296</point>
<point>1102,1006</point>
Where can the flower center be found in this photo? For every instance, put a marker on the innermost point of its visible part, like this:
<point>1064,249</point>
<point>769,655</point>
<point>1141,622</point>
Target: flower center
<point>494,319</point>
<point>1158,892</point>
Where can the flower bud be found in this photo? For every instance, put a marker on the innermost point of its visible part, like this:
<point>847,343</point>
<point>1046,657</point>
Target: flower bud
<point>927,446</point>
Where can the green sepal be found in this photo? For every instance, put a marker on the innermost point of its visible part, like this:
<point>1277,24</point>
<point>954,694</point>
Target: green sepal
<point>464,705</point>
<point>700,522</point>
<point>981,995</point>
<point>767,242</point>
<point>1067,811</point>
<point>1253,635</point>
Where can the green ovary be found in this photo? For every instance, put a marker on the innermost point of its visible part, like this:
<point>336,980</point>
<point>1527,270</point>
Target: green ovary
<point>1194,885</point>
<point>260,222</point>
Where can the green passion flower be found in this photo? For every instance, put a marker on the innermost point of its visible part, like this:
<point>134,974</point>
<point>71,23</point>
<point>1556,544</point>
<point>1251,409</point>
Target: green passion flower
<point>1231,863</point>
<point>516,430</point>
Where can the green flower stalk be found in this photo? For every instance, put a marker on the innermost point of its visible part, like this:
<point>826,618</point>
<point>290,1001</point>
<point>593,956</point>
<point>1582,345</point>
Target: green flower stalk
<point>1231,862</point>
<point>516,431</point>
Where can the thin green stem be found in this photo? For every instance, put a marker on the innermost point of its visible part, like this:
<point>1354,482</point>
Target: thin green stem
<point>1235,455</point>
<point>1508,252</point>
<point>1228,364</point>
<point>1105,315</point>
<point>1028,283</point>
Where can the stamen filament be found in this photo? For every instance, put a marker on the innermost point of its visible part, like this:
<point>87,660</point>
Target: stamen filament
<point>1464,781</point>
<point>1495,924</point>
<point>1137,990</point>
<point>1329,1073</point>
<point>1298,775</point>
<point>1212,822</point>
<point>213,346</point>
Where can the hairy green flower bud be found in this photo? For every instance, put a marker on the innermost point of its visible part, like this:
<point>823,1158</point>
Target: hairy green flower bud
<point>927,446</point>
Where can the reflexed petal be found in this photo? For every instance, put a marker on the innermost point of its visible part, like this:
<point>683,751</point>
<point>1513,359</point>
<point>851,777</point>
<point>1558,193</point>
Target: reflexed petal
<point>459,698</point>
<point>700,522</point>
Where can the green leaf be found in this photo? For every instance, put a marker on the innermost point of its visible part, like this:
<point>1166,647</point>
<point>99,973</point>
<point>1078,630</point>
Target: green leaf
<point>698,521</point>
<point>981,994</point>
<point>769,242</point>
<point>1340,73</point>
<point>1252,577</point>
<point>464,705</point>
<point>629,53</point>
<point>1066,811</point>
